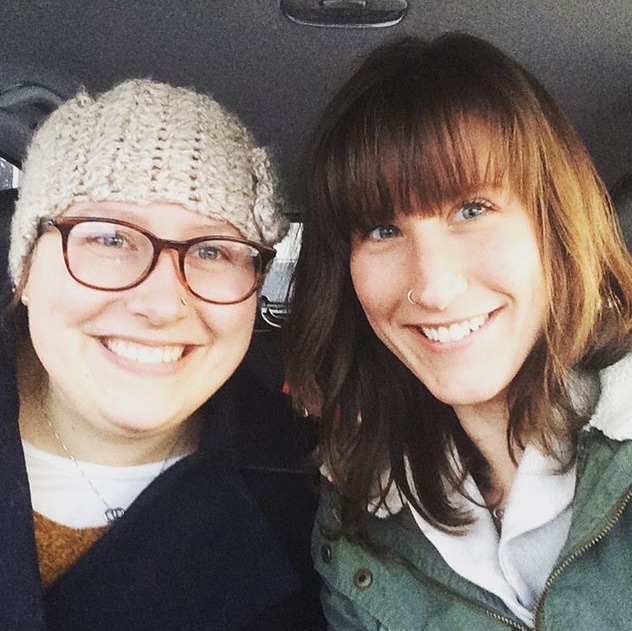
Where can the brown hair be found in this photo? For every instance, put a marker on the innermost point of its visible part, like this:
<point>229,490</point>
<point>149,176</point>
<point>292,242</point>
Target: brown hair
<point>401,134</point>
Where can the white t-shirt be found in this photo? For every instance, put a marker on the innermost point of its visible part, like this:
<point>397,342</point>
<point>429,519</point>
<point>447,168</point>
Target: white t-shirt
<point>62,493</point>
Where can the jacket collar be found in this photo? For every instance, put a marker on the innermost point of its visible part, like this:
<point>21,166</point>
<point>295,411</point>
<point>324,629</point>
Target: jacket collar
<point>604,466</point>
<point>604,488</point>
<point>613,413</point>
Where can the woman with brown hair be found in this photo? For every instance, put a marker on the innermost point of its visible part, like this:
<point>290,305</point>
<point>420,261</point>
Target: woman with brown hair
<point>461,324</point>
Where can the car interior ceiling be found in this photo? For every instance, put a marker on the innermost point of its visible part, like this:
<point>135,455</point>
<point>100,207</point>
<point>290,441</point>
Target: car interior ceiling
<point>277,73</point>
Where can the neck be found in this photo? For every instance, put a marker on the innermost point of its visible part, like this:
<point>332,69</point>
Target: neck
<point>486,426</point>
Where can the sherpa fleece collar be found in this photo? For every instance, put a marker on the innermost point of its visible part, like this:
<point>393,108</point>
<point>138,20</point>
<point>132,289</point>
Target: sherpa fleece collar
<point>613,414</point>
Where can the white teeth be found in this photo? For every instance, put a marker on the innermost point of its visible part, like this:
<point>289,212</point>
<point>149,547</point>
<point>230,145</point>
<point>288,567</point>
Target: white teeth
<point>454,332</point>
<point>145,354</point>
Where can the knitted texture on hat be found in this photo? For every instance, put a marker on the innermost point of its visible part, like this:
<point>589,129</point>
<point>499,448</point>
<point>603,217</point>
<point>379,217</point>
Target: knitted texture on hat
<point>144,142</point>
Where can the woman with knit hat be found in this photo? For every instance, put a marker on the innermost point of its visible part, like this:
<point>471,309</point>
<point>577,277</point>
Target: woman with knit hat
<point>165,483</point>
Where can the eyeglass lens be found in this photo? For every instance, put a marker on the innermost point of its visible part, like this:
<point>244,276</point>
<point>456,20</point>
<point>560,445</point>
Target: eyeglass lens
<point>113,256</point>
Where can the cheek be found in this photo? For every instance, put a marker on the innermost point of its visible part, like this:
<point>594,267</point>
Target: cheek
<point>525,263</point>
<point>230,322</point>
<point>363,281</point>
<point>519,272</point>
<point>513,255</point>
<point>538,298</point>
<point>378,288</point>
<point>58,317</point>
<point>55,298</point>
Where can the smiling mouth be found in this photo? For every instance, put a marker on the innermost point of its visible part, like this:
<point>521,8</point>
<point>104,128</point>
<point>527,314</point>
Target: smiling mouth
<point>144,354</point>
<point>454,332</point>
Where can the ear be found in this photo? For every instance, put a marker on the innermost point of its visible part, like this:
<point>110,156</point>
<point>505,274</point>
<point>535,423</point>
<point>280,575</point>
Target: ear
<point>22,290</point>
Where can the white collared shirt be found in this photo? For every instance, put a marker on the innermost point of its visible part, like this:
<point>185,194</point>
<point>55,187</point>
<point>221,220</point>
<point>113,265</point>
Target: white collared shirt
<point>515,565</point>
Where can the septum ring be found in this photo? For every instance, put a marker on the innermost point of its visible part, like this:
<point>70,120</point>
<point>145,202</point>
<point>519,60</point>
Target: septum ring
<point>409,297</point>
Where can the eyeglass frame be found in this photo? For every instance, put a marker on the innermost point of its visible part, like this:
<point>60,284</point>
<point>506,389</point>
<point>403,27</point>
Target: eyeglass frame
<point>65,224</point>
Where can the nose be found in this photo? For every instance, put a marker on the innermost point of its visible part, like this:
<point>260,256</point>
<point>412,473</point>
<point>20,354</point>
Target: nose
<point>436,270</point>
<point>162,297</point>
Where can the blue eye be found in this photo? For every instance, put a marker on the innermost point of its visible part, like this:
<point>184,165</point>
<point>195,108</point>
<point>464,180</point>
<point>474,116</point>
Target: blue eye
<point>111,240</point>
<point>381,233</point>
<point>98,237</point>
<point>470,210</point>
<point>208,253</point>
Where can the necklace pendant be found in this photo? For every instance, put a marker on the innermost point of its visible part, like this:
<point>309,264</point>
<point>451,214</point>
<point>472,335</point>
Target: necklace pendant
<point>112,514</point>
<point>498,514</point>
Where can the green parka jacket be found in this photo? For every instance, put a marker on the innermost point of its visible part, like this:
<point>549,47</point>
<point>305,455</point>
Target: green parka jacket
<point>413,588</point>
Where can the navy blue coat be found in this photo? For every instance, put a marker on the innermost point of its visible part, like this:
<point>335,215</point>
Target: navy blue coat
<point>218,541</point>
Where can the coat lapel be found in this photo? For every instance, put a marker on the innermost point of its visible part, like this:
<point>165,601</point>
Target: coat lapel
<point>20,593</point>
<point>193,547</point>
<point>204,554</point>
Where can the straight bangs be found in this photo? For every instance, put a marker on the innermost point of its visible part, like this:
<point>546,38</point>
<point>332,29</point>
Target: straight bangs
<point>415,151</point>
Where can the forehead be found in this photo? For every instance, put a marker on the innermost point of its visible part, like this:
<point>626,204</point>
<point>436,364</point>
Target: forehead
<point>157,217</point>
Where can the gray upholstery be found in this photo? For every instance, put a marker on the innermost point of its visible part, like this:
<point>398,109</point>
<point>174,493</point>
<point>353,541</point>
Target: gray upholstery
<point>277,74</point>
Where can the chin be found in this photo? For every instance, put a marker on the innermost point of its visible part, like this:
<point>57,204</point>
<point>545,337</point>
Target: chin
<point>463,397</point>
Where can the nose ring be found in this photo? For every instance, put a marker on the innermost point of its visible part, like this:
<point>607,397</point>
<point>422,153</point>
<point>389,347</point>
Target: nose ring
<point>184,302</point>
<point>459,288</point>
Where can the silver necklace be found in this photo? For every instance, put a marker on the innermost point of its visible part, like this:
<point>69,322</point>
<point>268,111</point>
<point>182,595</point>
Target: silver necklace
<point>112,513</point>
<point>498,514</point>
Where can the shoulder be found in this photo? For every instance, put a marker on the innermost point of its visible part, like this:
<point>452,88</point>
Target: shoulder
<point>346,565</point>
<point>345,568</point>
<point>254,428</point>
<point>257,425</point>
<point>367,588</point>
<point>273,448</point>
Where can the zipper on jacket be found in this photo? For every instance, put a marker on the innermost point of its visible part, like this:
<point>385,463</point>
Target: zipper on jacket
<point>500,618</point>
<point>612,522</point>
<point>488,612</point>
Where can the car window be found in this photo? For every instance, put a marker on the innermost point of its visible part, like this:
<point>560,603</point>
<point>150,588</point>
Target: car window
<point>9,175</point>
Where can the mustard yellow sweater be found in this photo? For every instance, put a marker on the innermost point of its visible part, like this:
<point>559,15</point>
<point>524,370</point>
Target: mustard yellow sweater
<point>59,547</point>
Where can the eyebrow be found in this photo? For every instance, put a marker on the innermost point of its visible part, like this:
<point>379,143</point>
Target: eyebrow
<point>206,224</point>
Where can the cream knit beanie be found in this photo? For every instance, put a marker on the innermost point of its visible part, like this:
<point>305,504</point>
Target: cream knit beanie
<point>145,142</point>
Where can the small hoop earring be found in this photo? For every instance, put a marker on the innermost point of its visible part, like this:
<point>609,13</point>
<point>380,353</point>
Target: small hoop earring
<point>24,299</point>
<point>409,297</point>
<point>183,302</point>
